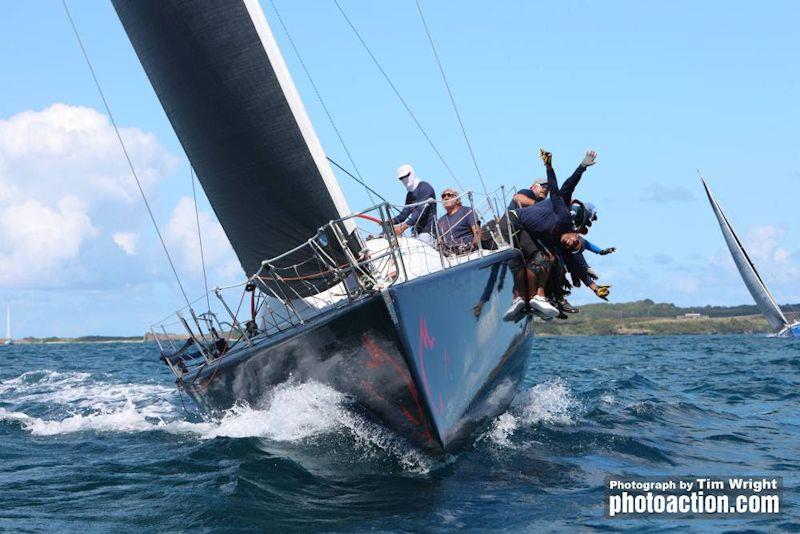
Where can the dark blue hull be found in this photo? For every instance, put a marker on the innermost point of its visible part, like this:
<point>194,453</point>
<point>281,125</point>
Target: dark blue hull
<point>420,358</point>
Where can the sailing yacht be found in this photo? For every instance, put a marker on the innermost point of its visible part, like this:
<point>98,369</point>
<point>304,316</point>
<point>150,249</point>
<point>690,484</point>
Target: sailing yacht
<point>414,337</point>
<point>747,269</point>
<point>8,340</point>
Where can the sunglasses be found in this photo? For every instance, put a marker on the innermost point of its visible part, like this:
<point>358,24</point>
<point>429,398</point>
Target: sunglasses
<point>404,176</point>
<point>448,195</point>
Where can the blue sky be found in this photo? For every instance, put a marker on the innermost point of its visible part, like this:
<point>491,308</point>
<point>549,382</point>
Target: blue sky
<point>658,90</point>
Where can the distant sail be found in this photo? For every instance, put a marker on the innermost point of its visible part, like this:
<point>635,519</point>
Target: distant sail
<point>222,82</point>
<point>766,303</point>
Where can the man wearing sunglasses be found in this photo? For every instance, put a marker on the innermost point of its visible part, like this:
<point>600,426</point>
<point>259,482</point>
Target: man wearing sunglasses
<point>459,230</point>
<point>550,222</point>
<point>419,217</point>
<point>530,196</point>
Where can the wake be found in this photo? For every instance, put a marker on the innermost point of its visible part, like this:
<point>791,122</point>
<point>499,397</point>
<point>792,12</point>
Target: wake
<point>51,403</point>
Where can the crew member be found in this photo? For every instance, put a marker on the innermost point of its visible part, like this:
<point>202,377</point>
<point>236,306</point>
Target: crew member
<point>459,231</point>
<point>550,221</point>
<point>416,214</point>
<point>528,197</point>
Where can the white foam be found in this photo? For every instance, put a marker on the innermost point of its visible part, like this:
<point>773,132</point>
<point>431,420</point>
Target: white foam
<point>502,429</point>
<point>294,413</point>
<point>550,403</point>
<point>83,391</point>
<point>607,399</point>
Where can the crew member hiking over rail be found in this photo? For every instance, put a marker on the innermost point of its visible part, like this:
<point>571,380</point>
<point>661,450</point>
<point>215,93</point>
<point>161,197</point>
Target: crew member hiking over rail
<point>546,233</point>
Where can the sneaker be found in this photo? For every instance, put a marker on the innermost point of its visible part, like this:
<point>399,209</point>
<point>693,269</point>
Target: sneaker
<point>540,306</point>
<point>515,310</point>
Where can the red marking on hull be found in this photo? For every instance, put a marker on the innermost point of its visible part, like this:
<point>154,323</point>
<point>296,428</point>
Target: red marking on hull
<point>425,341</point>
<point>379,357</point>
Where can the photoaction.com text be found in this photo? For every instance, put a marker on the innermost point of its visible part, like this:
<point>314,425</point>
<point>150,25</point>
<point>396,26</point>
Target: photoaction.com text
<point>693,496</point>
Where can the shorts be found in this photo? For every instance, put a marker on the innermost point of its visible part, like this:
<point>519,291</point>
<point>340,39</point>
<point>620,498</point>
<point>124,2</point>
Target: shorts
<point>535,255</point>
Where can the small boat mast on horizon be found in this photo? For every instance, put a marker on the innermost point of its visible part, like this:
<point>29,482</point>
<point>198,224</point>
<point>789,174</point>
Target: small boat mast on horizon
<point>8,340</point>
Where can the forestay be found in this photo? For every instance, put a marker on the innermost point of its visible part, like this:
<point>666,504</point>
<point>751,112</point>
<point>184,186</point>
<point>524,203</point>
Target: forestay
<point>766,303</point>
<point>222,82</point>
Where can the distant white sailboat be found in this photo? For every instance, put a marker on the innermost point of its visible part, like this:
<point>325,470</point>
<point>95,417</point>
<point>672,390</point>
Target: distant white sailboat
<point>8,340</point>
<point>747,269</point>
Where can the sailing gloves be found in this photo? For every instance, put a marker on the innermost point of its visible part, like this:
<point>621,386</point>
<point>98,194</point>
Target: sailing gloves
<point>589,159</point>
<point>602,291</point>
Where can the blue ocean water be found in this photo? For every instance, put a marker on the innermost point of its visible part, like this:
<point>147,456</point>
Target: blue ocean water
<point>95,438</point>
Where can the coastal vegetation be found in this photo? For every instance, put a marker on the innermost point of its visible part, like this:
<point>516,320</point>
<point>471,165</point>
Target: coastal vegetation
<point>645,317</point>
<point>642,317</point>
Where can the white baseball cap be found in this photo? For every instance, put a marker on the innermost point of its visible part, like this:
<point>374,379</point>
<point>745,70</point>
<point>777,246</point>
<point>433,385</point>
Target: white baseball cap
<point>404,170</point>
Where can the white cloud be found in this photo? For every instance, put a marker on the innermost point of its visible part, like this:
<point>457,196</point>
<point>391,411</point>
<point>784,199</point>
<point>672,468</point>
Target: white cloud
<point>780,254</point>
<point>37,238</point>
<point>126,241</point>
<point>763,244</point>
<point>661,193</point>
<point>182,240</point>
<point>686,284</point>
<point>64,180</point>
<point>72,148</point>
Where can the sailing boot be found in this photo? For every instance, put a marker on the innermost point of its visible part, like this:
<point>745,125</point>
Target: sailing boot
<point>566,307</point>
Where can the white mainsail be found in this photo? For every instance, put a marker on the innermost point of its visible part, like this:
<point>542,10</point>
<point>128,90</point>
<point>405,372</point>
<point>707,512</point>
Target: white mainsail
<point>766,303</point>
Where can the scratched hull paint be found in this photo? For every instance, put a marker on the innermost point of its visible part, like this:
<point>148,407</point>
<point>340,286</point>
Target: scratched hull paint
<point>431,359</point>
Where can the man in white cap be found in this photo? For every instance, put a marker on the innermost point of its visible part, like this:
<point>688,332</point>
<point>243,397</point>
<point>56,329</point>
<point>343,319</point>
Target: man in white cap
<point>530,196</point>
<point>420,218</point>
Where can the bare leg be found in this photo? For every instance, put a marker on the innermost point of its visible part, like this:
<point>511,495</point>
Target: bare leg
<point>541,282</point>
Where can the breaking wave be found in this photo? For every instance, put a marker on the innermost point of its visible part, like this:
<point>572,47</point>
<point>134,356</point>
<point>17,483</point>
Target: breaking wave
<point>50,403</point>
<point>550,403</point>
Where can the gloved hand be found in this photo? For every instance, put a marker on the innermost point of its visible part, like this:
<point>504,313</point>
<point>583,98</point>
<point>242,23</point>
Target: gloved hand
<point>603,292</point>
<point>547,157</point>
<point>608,250</point>
<point>589,159</point>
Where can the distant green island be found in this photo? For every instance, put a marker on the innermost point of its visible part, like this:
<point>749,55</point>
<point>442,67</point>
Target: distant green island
<point>645,317</point>
<point>82,339</point>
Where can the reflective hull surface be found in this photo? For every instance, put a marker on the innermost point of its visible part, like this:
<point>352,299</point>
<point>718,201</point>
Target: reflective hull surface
<point>431,359</point>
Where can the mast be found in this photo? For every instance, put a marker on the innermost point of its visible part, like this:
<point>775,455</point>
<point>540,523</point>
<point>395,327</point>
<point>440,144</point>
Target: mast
<point>222,81</point>
<point>747,269</point>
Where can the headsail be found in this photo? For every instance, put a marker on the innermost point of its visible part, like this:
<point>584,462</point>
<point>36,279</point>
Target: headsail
<point>766,303</point>
<point>222,82</point>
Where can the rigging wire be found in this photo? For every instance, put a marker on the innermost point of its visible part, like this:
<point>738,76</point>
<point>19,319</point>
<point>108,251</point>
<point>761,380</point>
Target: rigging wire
<point>351,175</point>
<point>397,93</point>
<point>124,150</point>
<point>321,101</point>
<point>453,101</point>
<point>199,237</point>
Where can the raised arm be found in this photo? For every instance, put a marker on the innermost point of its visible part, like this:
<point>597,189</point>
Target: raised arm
<point>569,184</point>
<point>552,183</point>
